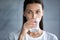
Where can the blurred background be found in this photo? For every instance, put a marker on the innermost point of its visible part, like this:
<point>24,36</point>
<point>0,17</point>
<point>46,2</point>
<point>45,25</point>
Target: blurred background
<point>11,12</point>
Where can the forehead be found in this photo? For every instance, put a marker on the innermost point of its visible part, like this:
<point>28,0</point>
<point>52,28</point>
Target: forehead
<point>34,6</point>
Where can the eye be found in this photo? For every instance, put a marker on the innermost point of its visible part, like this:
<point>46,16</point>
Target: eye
<point>29,12</point>
<point>37,12</point>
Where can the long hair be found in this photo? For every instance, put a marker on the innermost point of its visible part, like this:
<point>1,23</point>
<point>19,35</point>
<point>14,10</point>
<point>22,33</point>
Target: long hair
<point>26,2</point>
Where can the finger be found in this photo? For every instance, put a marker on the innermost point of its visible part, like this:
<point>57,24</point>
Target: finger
<point>31,26</point>
<point>31,20</point>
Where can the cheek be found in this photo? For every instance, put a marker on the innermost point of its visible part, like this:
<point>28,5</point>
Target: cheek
<point>29,17</point>
<point>39,16</point>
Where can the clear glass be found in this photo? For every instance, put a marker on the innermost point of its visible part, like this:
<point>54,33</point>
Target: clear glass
<point>36,28</point>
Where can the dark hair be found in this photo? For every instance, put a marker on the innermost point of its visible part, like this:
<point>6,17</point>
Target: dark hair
<point>26,2</point>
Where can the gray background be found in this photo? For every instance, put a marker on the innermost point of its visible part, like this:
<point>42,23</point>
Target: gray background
<point>11,12</point>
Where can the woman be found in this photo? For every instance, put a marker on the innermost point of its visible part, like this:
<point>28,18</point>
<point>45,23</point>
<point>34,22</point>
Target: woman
<point>34,9</point>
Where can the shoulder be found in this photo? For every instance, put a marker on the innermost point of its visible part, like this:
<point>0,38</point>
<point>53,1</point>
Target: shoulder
<point>50,35</point>
<point>13,35</point>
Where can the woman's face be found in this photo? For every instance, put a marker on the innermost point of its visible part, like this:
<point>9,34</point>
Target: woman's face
<point>33,11</point>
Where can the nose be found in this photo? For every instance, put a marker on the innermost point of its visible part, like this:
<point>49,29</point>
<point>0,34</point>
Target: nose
<point>33,16</point>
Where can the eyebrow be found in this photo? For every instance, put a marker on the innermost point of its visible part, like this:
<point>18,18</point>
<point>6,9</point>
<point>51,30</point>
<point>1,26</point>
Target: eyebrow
<point>38,9</point>
<point>28,9</point>
<point>31,10</point>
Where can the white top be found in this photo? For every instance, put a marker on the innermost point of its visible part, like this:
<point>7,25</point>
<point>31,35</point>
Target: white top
<point>44,36</point>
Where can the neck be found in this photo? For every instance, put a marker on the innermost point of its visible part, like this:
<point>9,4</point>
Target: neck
<point>36,34</point>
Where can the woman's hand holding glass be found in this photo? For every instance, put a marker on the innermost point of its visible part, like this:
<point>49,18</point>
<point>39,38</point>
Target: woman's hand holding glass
<point>28,25</point>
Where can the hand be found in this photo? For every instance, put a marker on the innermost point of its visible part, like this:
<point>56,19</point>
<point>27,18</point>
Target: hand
<point>29,24</point>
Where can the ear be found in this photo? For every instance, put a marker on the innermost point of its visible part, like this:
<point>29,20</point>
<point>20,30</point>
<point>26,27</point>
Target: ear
<point>42,12</point>
<point>24,14</point>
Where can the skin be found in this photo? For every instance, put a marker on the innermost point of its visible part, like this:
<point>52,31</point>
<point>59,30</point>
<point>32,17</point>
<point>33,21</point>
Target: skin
<point>32,12</point>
